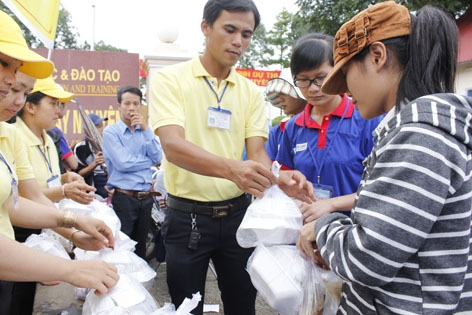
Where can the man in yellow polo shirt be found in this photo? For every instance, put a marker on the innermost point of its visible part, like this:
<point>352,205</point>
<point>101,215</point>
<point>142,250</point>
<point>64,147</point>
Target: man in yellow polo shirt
<point>205,114</point>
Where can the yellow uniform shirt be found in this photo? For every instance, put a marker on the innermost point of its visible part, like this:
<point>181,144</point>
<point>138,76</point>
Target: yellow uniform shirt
<point>180,95</point>
<point>13,151</point>
<point>43,159</point>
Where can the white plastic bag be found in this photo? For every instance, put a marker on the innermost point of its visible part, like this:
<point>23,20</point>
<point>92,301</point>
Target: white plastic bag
<point>46,243</point>
<point>292,284</point>
<point>270,220</point>
<point>333,284</point>
<point>321,291</point>
<point>184,309</point>
<point>126,262</point>
<point>277,272</point>
<point>95,209</point>
<point>127,297</point>
<point>131,264</point>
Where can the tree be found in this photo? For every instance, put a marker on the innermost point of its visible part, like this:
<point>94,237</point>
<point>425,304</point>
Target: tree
<point>66,35</point>
<point>327,16</point>
<point>273,47</point>
<point>101,46</point>
<point>281,39</point>
<point>257,50</point>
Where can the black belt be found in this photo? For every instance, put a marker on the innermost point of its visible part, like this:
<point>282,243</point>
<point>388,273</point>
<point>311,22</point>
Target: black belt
<point>217,209</point>
<point>140,195</point>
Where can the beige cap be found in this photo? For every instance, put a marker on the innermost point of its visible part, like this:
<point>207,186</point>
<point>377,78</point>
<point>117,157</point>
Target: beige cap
<point>380,21</point>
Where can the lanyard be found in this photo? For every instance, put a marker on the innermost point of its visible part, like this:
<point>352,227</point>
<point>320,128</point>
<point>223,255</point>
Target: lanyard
<point>7,165</point>
<point>218,98</point>
<point>320,167</point>
<point>14,183</point>
<point>45,158</point>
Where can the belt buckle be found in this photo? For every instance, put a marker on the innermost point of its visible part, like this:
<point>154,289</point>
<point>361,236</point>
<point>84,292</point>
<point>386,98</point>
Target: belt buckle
<point>220,211</point>
<point>140,195</point>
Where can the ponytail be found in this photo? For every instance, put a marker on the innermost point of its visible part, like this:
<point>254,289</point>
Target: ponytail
<point>430,57</point>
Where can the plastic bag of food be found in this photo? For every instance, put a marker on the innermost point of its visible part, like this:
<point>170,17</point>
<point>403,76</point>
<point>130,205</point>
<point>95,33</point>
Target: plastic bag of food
<point>277,272</point>
<point>46,243</point>
<point>127,297</point>
<point>270,220</point>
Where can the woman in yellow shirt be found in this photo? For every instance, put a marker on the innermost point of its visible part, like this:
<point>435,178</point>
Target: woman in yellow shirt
<point>18,262</point>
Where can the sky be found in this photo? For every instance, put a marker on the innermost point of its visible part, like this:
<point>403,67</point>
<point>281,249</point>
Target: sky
<point>135,25</point>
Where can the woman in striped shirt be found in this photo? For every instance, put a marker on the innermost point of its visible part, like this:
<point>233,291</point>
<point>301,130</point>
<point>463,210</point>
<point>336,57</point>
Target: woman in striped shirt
<point>406,247</point>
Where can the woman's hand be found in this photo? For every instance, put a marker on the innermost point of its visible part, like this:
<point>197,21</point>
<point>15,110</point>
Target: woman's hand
<point>70,177</point>
<point>315,210</point>
<point>79,192</point>
<point>99,159</point>
<point>306,243</point>
<point>87,242</point>
<point>94,274</point>
<point>96,229</point>
<point>295,185</point>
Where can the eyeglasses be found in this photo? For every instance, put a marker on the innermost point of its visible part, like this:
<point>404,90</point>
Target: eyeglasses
<point>304,83</point>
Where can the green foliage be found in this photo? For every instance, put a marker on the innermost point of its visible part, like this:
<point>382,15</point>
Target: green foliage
<point>258,50</point>
<point>272,48</point>
<point>101,46</point>
<point>66,35</point>
<point>277,120</point>
<point>282,39</point>
<point>328,15</point>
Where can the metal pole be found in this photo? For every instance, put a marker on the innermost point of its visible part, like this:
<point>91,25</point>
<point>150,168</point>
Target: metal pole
<point>93,28</point>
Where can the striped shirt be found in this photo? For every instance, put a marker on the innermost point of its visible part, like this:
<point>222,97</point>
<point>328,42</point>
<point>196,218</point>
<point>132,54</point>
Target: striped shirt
<point>407,247</point>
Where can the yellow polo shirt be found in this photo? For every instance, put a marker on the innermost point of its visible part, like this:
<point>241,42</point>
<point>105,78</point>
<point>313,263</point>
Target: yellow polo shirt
<point>43,159</point>
<point>180,95</point>
<point>14,153</point>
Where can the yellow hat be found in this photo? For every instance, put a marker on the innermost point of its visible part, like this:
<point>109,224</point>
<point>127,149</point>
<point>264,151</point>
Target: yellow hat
<point>13,44</point>
<point>50,88</point>
<point>381,21</point>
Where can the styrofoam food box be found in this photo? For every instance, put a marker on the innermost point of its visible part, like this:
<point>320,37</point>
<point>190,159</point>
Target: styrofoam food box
<point>277,272</point>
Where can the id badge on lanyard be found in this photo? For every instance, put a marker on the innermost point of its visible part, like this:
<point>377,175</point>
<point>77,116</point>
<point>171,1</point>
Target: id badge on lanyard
<point>219,118</point>
<point>54,181</point>
<point>323,192</point>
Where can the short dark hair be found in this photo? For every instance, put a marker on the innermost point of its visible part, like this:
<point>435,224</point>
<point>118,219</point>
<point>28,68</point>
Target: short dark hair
<point>33,98</point>
<point>129,89</point>
<point>310,52</point>
<point>213,9</point>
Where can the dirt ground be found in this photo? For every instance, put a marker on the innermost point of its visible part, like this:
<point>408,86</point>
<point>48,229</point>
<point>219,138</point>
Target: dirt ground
<point>60,300</point>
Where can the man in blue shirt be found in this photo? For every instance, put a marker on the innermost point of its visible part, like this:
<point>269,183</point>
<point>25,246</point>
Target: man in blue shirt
<point>130,150</point>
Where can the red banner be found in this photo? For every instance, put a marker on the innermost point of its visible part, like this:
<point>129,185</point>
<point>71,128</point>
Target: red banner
<point>260,77</point>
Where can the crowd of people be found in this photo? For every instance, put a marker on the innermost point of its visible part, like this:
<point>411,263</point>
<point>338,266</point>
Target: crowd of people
<point>375,150</point>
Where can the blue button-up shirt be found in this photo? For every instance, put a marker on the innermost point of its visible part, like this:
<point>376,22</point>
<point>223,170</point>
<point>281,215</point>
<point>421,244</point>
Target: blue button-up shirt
<point>129,156</point>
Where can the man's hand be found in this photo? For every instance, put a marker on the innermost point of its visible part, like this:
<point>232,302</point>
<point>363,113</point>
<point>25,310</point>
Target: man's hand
<point>251,177</point>
<point>138,119</point>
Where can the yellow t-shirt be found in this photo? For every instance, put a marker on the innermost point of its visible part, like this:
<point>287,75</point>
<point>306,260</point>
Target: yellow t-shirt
<point>14,153</point>
<point>180,95</point>
<point>43,159</point>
